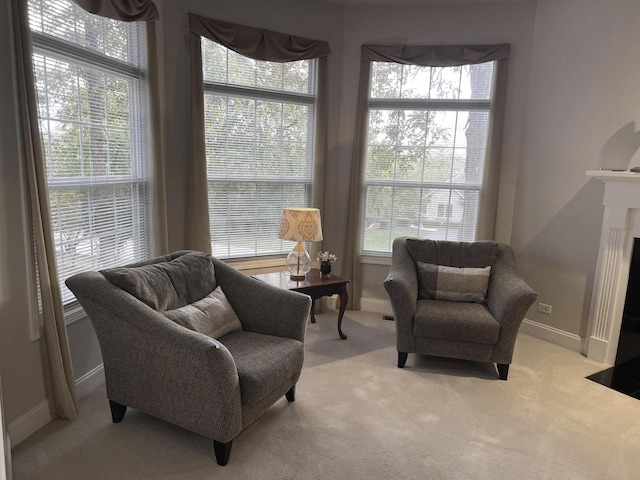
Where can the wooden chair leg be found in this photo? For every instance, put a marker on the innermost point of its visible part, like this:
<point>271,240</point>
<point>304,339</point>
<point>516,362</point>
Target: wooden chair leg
<point>503,370</point>
<point>222,451</point>
<point>402,359</point>
<point>117,411</point>
<point>291,394</point>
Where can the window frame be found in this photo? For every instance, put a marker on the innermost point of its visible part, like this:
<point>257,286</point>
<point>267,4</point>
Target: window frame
<point>224,90</point>
<point>425,104</point>
<point>51,47</point>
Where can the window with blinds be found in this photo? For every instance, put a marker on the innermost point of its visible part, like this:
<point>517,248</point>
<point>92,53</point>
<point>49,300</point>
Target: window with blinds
<point>259,133</point>
<point>89,82</point>
<point>427,136</point>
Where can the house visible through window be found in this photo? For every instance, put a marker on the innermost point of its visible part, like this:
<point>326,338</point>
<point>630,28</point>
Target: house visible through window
<point>259,134</point>
<point>425,155</point>
<point>444,210</point>
<point>88,73</point>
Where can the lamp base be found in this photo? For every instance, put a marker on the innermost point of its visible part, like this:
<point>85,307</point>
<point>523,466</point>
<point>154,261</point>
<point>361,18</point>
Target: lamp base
<point>298,262</point>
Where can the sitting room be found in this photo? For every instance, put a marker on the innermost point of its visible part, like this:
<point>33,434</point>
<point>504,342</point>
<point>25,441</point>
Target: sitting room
<point>415,223</point>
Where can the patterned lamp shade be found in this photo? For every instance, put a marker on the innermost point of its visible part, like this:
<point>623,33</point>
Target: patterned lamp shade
<point>300,224</point>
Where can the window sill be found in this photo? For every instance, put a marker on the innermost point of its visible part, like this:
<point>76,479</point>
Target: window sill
<point>384,259</point>
<point>73,313</point>
<point>257,263</point>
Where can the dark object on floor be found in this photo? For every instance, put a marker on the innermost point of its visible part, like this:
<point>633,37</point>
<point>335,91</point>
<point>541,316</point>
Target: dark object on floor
<point>387,317</point>
<point>468,312</point>
<point>214,384</point>
<point>623,378</point>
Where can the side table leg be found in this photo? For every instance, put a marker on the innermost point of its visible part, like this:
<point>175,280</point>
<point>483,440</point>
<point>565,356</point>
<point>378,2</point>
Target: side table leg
<point>344,298</point>
<point>313,310</point>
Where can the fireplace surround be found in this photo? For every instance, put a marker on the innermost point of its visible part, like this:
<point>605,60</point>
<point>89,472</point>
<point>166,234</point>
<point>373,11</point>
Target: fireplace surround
<point>620,226</point>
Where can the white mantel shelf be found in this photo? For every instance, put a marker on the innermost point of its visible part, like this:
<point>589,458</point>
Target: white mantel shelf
<point>605,175</point>
<point>620,226</point>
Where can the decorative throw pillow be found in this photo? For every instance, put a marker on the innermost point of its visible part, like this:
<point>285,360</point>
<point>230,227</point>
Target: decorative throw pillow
<point>453,284</point>
<point>149,283</point>
<point>167,285</point>
<point>213,315</point>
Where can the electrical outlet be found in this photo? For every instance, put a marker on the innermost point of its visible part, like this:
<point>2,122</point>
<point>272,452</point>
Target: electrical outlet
<point>544,308</point>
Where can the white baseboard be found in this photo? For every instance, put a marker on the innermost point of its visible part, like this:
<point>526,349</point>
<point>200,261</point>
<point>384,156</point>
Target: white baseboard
<point>551,334</point>
<point>36,418</point>
<point>376,305</point>
<point>88,382</point>
<point>29,423</point>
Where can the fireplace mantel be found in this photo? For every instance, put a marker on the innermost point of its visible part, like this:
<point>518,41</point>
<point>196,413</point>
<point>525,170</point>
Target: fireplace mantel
<point>620,226</point>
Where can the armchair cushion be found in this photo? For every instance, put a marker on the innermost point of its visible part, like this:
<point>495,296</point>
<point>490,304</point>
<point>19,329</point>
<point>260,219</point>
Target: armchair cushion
<point>453,254</point>
<point>454,284</point>
<point>465,322</point>
<point>212,316</point>
<point>264,362</point>
<point>167,285</point>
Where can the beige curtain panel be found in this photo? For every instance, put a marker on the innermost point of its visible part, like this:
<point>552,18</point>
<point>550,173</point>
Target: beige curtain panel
<point>125,10</point>
<point>428,56</point>
<point>62,398</point>
<point>258,44</point>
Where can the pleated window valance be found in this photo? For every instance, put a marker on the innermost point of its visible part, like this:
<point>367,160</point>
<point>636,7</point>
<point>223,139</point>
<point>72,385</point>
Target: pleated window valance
<point>124,10</point>
<point>435,56</point>
<point>257,43</point>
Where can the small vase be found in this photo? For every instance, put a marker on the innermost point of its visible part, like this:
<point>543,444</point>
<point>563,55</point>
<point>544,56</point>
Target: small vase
<point>325,268</point>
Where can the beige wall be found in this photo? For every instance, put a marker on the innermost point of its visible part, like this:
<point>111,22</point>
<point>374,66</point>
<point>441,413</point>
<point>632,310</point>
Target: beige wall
<point>455,24</point>
<point>583,100</point>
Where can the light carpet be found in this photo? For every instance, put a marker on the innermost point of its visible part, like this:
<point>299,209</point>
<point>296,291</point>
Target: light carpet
<point>357,416</point>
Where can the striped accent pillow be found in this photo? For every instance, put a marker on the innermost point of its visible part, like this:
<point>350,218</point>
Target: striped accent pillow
<point>212,315</point>
<point>453,284</point>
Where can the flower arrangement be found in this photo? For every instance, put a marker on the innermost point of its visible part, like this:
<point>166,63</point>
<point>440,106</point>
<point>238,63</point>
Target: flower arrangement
<point>326,257</point>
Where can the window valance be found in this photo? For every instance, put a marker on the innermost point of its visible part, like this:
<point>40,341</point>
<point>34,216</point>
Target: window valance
<point>435,56</point>
<point>258,43</point>
<point>124,10</point>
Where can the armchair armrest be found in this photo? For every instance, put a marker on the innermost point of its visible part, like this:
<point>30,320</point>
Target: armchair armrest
<point>508,299</point>
<point>159,367</point>
<point>402,287</point>
<point>263,308</point>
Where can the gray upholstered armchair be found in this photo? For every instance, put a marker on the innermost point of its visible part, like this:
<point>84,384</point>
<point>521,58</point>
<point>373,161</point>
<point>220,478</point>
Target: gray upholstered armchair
<point>428,322</point>
<point>149,317</point>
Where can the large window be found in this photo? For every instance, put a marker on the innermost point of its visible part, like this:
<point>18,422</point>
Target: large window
<point>259,125</point>
<point>425,154</point>
<point>91,109</point>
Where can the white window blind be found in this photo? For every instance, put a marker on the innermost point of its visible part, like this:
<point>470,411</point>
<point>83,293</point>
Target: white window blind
<point>427,136</point>
<point>259,133</point>
<point>91,109</point>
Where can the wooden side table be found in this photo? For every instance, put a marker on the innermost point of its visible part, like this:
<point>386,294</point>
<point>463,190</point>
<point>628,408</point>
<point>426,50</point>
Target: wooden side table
<point>316,286</point>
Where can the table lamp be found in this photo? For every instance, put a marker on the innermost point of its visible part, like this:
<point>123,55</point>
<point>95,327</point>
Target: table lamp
<point>300,224</point>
